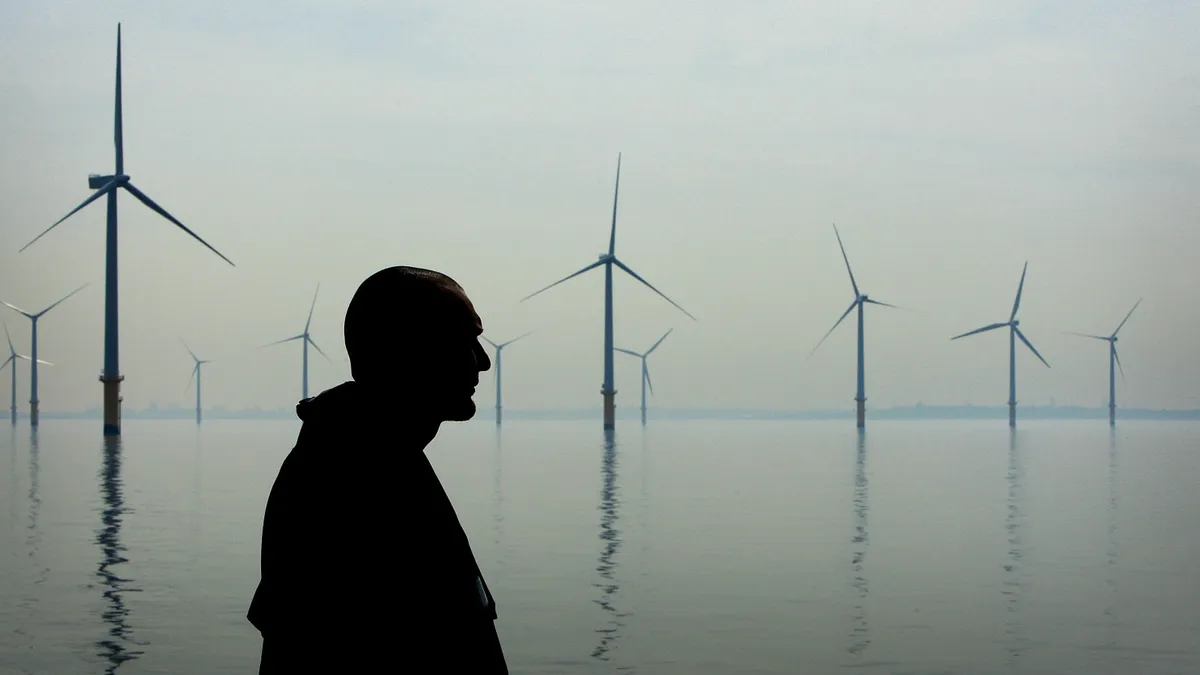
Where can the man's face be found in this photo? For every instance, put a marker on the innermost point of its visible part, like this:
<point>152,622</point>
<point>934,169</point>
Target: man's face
<point>449,366</point>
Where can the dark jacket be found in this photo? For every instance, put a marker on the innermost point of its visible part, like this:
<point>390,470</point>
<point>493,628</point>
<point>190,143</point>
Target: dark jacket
<point>363,558</point>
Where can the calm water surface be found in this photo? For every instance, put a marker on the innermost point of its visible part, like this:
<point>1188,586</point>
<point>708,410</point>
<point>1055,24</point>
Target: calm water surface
<point>690,547</point>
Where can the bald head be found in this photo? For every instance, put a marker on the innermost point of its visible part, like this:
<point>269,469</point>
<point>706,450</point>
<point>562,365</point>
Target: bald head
<point>414,330</point>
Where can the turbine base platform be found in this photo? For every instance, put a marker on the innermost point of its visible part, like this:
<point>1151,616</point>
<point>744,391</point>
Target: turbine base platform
<point>112,404</point>
<point>610,409</point>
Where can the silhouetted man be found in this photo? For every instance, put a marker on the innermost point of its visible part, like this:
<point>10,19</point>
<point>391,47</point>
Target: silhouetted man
<point>365,567</point>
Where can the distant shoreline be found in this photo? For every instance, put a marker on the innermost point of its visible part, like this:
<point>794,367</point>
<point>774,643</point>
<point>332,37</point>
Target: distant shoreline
<point>914,413</point>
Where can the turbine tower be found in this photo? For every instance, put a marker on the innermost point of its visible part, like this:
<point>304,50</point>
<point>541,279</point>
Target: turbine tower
<point>646,370</point>
<point>195,374</point>
<point>307,340</point>
<point>109,186</point>
<point>499,349</point>
<point>860,299</point>
<point>608,390</point>
<point>1113,359</point>
<point>12,358</point>
<point>33,362</point>
<point>1013,333</point>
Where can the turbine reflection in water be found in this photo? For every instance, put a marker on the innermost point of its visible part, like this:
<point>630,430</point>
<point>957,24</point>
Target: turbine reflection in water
<point>34,539</point>
<point>498,494</point>
<point>611,538</point>
<point>1013,585</point>
<point>860,637</point>
<point>108,538</point>
<point>1111,610</point>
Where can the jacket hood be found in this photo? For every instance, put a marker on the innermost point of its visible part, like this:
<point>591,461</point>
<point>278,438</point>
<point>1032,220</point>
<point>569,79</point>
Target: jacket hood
<point>338,402</point>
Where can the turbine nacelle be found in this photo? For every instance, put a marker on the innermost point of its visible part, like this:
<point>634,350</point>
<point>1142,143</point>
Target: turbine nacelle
<point>97,181</point>
<point>1014,323</point>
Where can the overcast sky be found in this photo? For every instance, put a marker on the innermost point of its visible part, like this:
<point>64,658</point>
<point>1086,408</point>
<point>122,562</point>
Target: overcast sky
<point>318,141</point>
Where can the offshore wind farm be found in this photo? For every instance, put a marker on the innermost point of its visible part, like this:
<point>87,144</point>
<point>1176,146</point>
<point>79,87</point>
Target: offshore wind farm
<point>316,145</point>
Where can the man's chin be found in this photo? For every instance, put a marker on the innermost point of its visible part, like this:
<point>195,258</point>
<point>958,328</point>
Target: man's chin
<point>460,412</point>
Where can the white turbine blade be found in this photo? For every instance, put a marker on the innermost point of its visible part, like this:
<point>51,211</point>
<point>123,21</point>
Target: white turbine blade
<point>64,298</point>
<point>162,212</point>
<point>1135,306</point>
<point>646,372</point>
<point>44,363</point>
<point>118,136</point>
<point>189,349</point>
<point>1117,356</point>
<point>1094,337</point>
<point>881,304</point>
<point>980,330</point>
<point>835,325</point>
<point>589,267</point>
<point>515,339</point>
<point>490,343</point>
<point>612,237</point>
<point>310,341</point>
<point>1020,288</point>
<point>105,189</point>
<point>279,342</point>
<point>656,344</point>
<point>635,275</point>
<point>628,351</point>
<point>1030,345</point>
<point>16,309</point>
<point>312,307</point>
<point>8,361</point>
<point>11,348</point>
<point>847,259</point>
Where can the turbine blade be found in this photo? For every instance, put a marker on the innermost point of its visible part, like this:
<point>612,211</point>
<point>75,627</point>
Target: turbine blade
<point>279,342</point>
<point>835,325</point>
<point>310,341</point>
<point>844,257</point>
<point>612,237</point>
<point>64,298</point>
<point>192,376</point>
<point>635,275</point>
<point>1020,288</point>
<point>1117,356</point>
<point>11,348</point>
<point>16,309</point>
<point>1094,337</point>
<point>656,344</point>
<point>980,330</point>
<point>162,212</point>
<point>881,304</point>
<point>1030,345</point>
<point>118,137</point>
<point>105,189</point>
<point>515,339</point>
<point>646,372</point>
<point>1135,306</point>
<point>8,361</point>
<point>44,363</point>
<point>312,307</point>
<point>627,351</point>
<point>189,349</point>
<point>490,343</point>
<point>589,267</point>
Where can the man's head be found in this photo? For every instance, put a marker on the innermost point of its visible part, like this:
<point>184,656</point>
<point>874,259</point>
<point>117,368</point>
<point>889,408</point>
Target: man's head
<point>413,335</point>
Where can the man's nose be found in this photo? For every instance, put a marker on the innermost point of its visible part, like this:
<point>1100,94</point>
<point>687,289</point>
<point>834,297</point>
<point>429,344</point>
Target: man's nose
<point>481,358</point>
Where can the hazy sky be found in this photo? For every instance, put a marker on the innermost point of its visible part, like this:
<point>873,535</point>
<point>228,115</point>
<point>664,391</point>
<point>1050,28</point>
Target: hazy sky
<point>318,141</point>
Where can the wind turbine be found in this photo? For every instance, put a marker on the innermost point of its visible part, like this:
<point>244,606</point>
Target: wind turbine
<point>12,358</point>
<point>860,299</point>
<point>1113,358</point>
<point>609,259</point>
<point>307,340</point>
<point>109,186</point>
<point>195,374</point>
<point>646,370</point>
<point>500,348</point>
<point>1013,333</point>
<point>33,363</point>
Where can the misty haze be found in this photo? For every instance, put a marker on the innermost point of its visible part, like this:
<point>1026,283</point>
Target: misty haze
<point>822,336</point>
